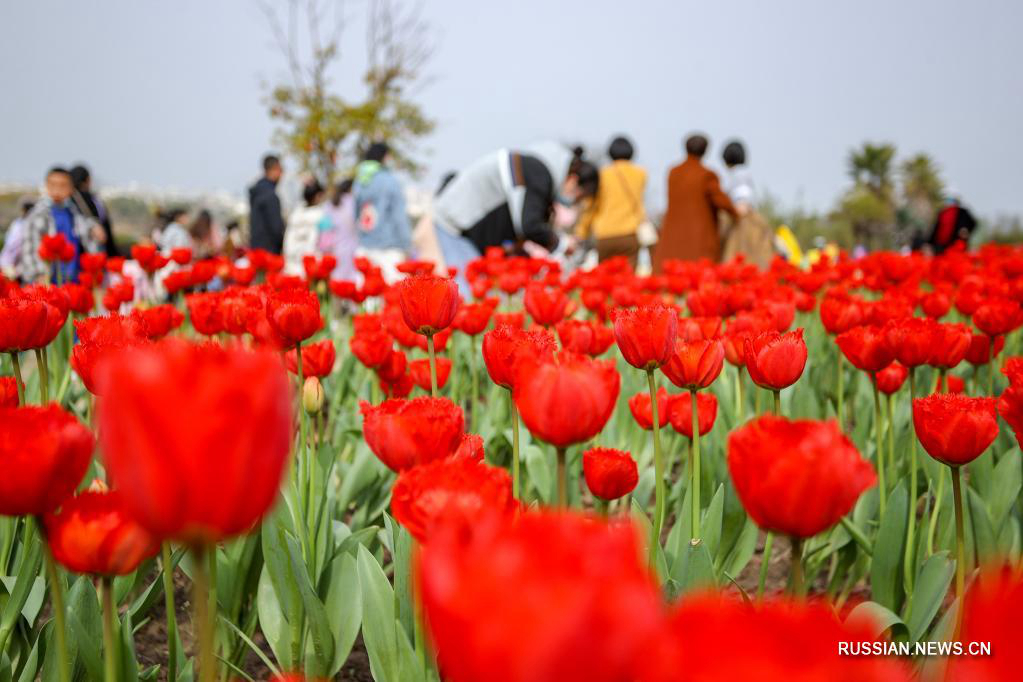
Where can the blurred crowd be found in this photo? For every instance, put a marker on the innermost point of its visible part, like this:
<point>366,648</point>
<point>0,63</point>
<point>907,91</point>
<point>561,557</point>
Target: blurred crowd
<point>544,200</point>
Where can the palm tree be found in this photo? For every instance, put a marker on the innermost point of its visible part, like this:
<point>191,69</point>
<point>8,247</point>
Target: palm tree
<point>871,165</point>
<point>921,181</point>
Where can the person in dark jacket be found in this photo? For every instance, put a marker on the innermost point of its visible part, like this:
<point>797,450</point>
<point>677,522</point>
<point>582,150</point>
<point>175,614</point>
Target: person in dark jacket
<point>266,222</point>
<point>91,206</point>
<point>953,225</point>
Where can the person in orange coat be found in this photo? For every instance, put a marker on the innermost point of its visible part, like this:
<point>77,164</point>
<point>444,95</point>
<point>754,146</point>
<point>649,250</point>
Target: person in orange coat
<point>689,230</point>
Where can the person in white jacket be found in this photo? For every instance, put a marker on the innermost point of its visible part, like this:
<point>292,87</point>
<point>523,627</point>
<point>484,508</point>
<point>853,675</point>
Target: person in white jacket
<point>302,235</point>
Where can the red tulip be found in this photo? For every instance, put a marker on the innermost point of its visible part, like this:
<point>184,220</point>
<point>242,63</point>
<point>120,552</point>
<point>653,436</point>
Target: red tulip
<point>646,336</point>
<point>775,361</point>
<point>953,428</point>
<point>796,477</point>
<point>8,392</point>
<point>565,399</point>
<point>93,263</point>
<point>392,368</point>
<point>406,433</point>
<point>419,370</point>
<point>294,315</point>
<point>890,379</point>
<point>546,305</point>
<point>196,436</point>
<point>998,317</point>
<point>609,473</point>
<point>782,313</point>
<point>23,324</point>
<point>954,384</point>
<point>639,405</point>
<point>452,491</point>
<point>911,340</point>
<point>56,247</point>
<point>110,329</point>
<point>1010,406</point>
<point>158,321</point>
<point>505,346</point>
<point>428,303</point>
<point>94,533</point>
<point>840,312</point>
<point>473,318</point>
<point>515,319</point>
<point>317,359</point>
<point>981,351</point>
<point>698,328</point>
<point>318,269</point>
<point>991,615</point>
<point>743,326</point>
<point>399,387</point>
<point>866,347</point>
<point>783,640</point>
<point>936,304</point>
<point>695,364</point>
<point>471,447</point>
<point>44,453</point>
<point>372,348</point>
<point>607,605</point>
<point>80,298</point>
<point>949,344</point>
<point>205,312</point>
<point>680,412</point>
<point>181,256</point>
<point>147,257</point>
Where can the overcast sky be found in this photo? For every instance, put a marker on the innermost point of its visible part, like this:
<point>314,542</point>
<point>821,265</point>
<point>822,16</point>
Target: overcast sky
<point>170,94</point>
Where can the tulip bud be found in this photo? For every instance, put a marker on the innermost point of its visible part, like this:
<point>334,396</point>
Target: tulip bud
<point>312,395</point>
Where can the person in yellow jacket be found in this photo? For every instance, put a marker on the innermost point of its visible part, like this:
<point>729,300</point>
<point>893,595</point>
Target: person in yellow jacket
<point>616,212</point>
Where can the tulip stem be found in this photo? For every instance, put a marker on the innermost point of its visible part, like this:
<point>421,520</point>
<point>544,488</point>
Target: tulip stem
<point>474,399</point>
<point>840,390</point>
<point>19,384</point>
<point>109,611</point>
<point>655,539</point>
<point>433,365</point>
<point>991,366</point>
<point>562,479</point>
<point>878,442</point>
<point>57,601</point>
<point>957,497</point>
<point>302,458</point>
<point>515,447</point>
<point>777,403</point>
<point>892,468</point>
<point>798,588</point>
<point>909,563</point>
<point>169,607</point>
<point>765,560</point>
<point>202,623</point>
<point>44,376</point>
<point>602,507</point>
<point>938,497</point>
<point>695,483</point>
<point>739,406</point>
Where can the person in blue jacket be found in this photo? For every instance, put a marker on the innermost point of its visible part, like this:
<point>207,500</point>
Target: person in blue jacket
<point>382,223</point>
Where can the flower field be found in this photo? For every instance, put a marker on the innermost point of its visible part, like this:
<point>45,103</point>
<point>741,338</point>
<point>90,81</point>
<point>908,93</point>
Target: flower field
<point>715,474</point>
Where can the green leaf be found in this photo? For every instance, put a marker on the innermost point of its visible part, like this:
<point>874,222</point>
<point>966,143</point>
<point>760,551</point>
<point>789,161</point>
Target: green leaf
<point>129,661</point>
<point>983,533</point>
<point>929,593</point>
<point>378,621</point>
<point>743,550</point>
<point>25,586</point>
<point>277,564</point>
<point>539,467</point>
<point>711,521</point>
<point>272,621</point>
<point>31,665</point>
<point>886,565</point>
<point>878,616</point>
<point>344,608</point>
<point>251,645</point>
<point>316,616</point>
<point>85,624</point>
<point>402,543</point>
<point>1006,487</point>
<point>696,569</point>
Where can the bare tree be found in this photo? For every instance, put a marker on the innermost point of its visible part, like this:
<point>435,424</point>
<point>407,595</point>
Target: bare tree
<point>325,130</point>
